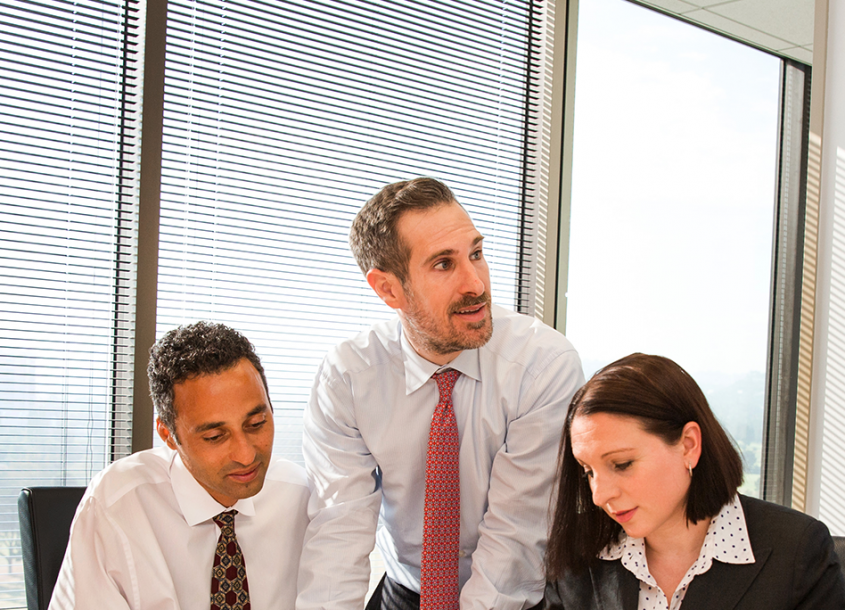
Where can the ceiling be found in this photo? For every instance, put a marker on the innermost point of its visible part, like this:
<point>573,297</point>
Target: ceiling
<point>782,26</point>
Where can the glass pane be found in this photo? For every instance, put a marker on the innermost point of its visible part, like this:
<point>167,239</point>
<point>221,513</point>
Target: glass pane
<point>275,136</point>
<point>61,65</point>
<point>673,204</point>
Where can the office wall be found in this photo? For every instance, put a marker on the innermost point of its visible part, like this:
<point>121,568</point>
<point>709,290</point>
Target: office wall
<point>826,476</point>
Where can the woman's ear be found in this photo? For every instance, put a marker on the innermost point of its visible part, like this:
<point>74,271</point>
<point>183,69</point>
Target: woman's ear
<point>387,287</point>
<point>691,443</point>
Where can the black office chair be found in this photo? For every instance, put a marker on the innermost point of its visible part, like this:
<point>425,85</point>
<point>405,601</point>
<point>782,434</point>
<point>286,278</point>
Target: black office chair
<point>45,515</point>
<point>839,547</point>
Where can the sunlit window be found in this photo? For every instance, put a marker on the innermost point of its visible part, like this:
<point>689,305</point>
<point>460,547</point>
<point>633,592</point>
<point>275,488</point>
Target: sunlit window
<point>282,119</point>
<point>672,205</point>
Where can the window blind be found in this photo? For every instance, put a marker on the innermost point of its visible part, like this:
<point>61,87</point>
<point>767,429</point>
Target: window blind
<point>67,114</point>
<point>281,118</point>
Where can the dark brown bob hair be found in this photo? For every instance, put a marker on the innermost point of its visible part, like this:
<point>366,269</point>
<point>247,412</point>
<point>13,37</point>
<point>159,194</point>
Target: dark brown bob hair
<point>663,398</point>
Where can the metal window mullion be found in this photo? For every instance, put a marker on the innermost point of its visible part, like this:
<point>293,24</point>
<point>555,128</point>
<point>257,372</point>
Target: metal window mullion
<point>146,278</point>
<point>125,253</point>
<point>787,257</point>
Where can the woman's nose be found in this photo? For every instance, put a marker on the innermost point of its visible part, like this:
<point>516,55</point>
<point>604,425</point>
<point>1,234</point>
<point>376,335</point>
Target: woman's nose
<point>603,489</point>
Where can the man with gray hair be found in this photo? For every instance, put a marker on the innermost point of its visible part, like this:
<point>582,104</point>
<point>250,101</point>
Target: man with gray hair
<point>433,434</point>
<point>208,521</point>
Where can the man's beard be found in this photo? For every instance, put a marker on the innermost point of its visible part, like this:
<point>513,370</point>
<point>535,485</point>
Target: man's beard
<point>444,338</point>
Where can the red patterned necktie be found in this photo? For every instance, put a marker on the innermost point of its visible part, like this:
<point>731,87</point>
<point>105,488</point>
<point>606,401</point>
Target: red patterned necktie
<point>229,589</point>
<point>442,527</point>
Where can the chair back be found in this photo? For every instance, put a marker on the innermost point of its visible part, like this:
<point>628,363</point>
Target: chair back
<point>45,515</point>
<point>839,547</point>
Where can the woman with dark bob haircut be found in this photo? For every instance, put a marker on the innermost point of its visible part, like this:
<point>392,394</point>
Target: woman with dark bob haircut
<point>647,514</point>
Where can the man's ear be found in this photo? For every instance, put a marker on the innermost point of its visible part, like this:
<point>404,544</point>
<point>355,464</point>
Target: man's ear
<point>387,287</point>
<point>165,434</point>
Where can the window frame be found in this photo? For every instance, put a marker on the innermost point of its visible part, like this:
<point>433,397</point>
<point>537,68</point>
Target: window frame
<point>783,471</point>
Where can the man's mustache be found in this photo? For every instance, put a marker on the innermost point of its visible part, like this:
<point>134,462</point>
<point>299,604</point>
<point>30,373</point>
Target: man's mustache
<point>468,302</point>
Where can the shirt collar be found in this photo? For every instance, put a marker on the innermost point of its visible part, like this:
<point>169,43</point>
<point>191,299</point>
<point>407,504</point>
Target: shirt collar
<point>195,502</point>
<point>726,541</point>
<point>727,538</point>
<point>418,370</point>
<point>632,553</point>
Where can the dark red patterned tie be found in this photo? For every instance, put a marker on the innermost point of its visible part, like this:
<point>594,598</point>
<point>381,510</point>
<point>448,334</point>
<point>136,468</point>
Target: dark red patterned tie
<point>442,527</point>
<point>229,589</point>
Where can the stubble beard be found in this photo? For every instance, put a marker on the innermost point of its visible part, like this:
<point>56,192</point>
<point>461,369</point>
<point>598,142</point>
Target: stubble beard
<point>426,333</point>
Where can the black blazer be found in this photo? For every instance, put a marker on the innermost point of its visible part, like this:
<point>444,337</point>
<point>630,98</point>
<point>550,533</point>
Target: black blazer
<point>795,568</point>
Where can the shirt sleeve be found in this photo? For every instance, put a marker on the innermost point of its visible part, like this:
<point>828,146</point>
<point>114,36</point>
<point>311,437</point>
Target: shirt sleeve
<point>97,570</point>
<point>334,571</point>
<point>507,565</point>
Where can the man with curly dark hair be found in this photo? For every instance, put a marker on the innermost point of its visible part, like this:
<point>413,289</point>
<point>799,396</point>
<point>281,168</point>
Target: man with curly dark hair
<point>208,520</point>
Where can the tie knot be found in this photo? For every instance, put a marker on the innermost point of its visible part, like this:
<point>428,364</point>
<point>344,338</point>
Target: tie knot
<point>226,522</point>
<point>446,382</point>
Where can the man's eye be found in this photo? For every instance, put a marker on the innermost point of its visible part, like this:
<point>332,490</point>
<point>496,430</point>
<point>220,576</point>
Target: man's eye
<point>442,265</point>
<point>212,439</point>
<point>477,255</point>
<point>258,424</point>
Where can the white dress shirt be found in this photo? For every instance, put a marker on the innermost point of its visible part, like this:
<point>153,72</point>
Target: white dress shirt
<point>143,538</point>
<point>365,443</point>
<point>726,541</point>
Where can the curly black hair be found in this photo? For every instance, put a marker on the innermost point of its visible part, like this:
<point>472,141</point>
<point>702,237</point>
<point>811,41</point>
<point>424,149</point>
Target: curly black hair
<point>186,352</point>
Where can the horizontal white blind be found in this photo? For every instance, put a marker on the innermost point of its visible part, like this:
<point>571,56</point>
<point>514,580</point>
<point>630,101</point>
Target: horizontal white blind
<point>283,117</point>
<point>62,87</point>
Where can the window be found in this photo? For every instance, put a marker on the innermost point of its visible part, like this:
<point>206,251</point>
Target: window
<point>66,86</point>
<point>674,165</point>
<point>282,119</point>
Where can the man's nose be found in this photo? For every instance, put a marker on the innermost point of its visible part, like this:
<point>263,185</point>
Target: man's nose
<point>242,450</point>
<point>471,282</point>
